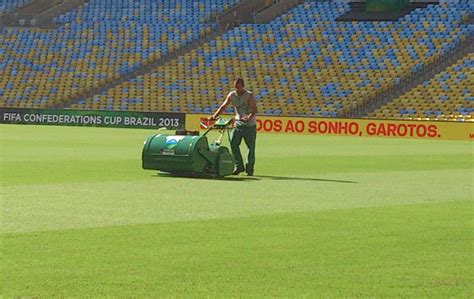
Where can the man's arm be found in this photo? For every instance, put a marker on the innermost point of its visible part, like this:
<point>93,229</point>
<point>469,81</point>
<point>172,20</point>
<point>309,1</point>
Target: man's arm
<point>221,108</point>
<point>253,108</point>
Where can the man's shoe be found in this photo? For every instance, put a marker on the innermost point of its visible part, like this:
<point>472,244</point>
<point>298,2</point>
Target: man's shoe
<point>238,170</point>
<point>248,170</point>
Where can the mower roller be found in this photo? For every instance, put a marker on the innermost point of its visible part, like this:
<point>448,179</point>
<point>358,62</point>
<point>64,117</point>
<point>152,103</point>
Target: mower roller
<point>188,154</point>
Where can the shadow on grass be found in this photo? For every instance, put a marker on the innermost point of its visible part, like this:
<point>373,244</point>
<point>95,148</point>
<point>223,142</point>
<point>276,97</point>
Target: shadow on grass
<point>247,178</point>
<point>207,177</point>
<point>286,178</point>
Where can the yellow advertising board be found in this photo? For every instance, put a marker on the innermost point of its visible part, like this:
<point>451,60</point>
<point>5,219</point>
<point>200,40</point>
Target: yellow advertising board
<point>433,130</point>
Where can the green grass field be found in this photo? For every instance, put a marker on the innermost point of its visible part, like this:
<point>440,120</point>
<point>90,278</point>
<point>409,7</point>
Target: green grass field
<point>323,217</point>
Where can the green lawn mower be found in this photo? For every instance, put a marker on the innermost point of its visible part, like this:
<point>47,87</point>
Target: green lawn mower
<point>188,154</point>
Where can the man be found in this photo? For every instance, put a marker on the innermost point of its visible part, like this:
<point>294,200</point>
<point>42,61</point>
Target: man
<point>245,108</point>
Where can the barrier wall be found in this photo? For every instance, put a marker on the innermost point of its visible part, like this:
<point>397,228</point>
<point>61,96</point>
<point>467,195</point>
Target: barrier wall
<point>433,130</point>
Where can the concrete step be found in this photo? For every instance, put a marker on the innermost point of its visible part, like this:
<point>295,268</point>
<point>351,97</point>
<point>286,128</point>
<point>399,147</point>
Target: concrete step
<point>359,13</point>
<point>270,13</point>
<point>39,13</point>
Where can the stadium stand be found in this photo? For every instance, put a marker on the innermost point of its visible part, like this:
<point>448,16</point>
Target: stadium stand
<point>303,63</point>
<point>10,5</point>
<point>95,44</point>
<point>448,96</point>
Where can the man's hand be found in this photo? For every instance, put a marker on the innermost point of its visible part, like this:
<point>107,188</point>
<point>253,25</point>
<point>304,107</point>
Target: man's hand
<point>245,118</point>
<point>212,118</point>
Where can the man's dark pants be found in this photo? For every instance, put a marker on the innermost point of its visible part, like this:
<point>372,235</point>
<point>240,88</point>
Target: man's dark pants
<point>249,134</point>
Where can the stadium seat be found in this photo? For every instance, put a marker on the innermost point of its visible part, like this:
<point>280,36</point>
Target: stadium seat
<point>448,96</point>
<point>10,5</point>
<point>96,44</point>
<point>302,63</point>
